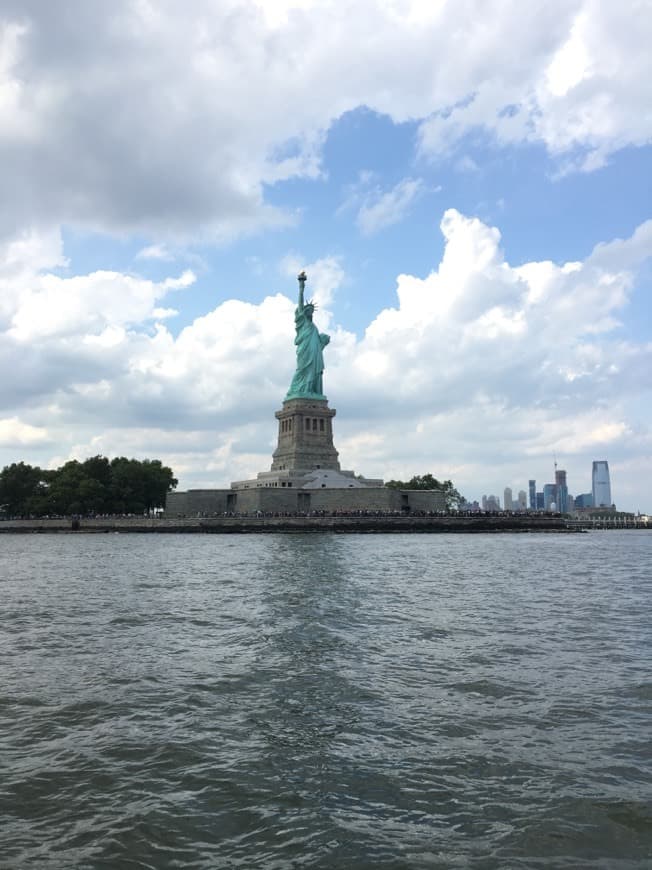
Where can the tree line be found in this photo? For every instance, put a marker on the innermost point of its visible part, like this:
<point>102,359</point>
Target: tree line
<point>427,481</point>
<point>96,486</point>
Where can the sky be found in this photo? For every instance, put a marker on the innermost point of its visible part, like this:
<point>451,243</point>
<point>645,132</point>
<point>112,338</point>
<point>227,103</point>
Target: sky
<point>467,184</point>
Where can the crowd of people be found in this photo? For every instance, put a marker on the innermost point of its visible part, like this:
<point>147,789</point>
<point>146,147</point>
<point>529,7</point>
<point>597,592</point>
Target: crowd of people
<point>364,513</point>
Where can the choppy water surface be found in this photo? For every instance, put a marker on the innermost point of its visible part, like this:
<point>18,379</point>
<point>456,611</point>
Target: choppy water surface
<point>327,701</point>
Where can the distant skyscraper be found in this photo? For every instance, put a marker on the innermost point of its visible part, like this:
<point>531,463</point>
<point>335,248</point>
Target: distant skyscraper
<point>532,487</point>
<point>601,484</point>
<point>540,501</point>
<point>507,499</point>
<point>549,495</point>
<point>493,503</point>
<point>561,496</point>
<point>584,500</point>
<point>522,500</point>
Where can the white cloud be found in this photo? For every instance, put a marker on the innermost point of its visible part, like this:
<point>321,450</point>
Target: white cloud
<point>181,144</point>
<point>155,252</point>
<point>54,306</point>
<point>14,433</point>
<point>571,63</point>
<point>376,209</point>
<point>381,210</point>
<point>581,92</point>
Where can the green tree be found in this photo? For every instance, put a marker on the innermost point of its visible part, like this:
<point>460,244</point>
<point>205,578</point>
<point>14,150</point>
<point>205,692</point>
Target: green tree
<point>98,468</point>
<point>427,481</point>
<point>38,503</point>
<point>159,481</point>
<point>127,486</point>
<point>20,484</point>
<point>96,485</point>
<point>138,486</point>
<point>65,494</point>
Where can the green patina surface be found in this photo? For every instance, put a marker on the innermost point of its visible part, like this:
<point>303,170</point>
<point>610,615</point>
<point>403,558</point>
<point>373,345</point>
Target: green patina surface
<point>307,382</point>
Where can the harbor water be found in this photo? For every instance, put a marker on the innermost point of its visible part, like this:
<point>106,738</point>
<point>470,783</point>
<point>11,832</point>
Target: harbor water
<point>326,701</point>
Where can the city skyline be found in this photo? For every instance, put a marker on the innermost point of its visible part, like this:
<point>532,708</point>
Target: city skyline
<point>469,192</point>
<point>557,491</point>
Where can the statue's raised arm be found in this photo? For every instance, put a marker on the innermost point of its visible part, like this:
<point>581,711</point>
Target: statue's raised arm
<point>307,380</point>
<point>301,278</point>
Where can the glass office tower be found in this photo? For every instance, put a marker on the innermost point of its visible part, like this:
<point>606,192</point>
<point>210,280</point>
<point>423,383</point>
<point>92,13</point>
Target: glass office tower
<point>601,484</point>
<point>562,491</point>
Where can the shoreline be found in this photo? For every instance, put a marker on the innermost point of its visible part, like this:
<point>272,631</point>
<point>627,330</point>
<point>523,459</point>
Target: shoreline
<point>262,525</point>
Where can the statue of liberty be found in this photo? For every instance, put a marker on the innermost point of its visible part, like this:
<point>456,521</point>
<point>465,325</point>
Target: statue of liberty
<point>307,381</point>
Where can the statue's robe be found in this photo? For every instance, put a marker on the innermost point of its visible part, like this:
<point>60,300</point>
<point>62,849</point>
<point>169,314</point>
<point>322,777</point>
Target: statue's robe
<point>307,380</point>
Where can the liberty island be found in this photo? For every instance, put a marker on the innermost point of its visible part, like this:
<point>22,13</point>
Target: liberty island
<point>305,487</point>
<point>305,474</point>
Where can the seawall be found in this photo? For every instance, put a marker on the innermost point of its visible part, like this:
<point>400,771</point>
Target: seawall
<point>249,525</point>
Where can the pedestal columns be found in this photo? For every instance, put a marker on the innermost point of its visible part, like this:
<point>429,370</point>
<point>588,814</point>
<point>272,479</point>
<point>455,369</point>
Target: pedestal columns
<point>305,436</point>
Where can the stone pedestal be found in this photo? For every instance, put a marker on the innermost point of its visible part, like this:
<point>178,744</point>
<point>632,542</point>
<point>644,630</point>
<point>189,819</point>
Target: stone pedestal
<point>305,436</point>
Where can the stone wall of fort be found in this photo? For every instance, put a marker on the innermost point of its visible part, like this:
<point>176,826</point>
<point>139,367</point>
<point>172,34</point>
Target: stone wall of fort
<point>207,502</point>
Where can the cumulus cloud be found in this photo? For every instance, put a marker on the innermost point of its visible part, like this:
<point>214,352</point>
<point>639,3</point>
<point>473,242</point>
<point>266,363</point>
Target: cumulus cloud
<point>89,303</point>
<point>183,142</point>
<point>16,434</point>
<point>518,335</point>
<point>480,365</point>
<point>581,91</point>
